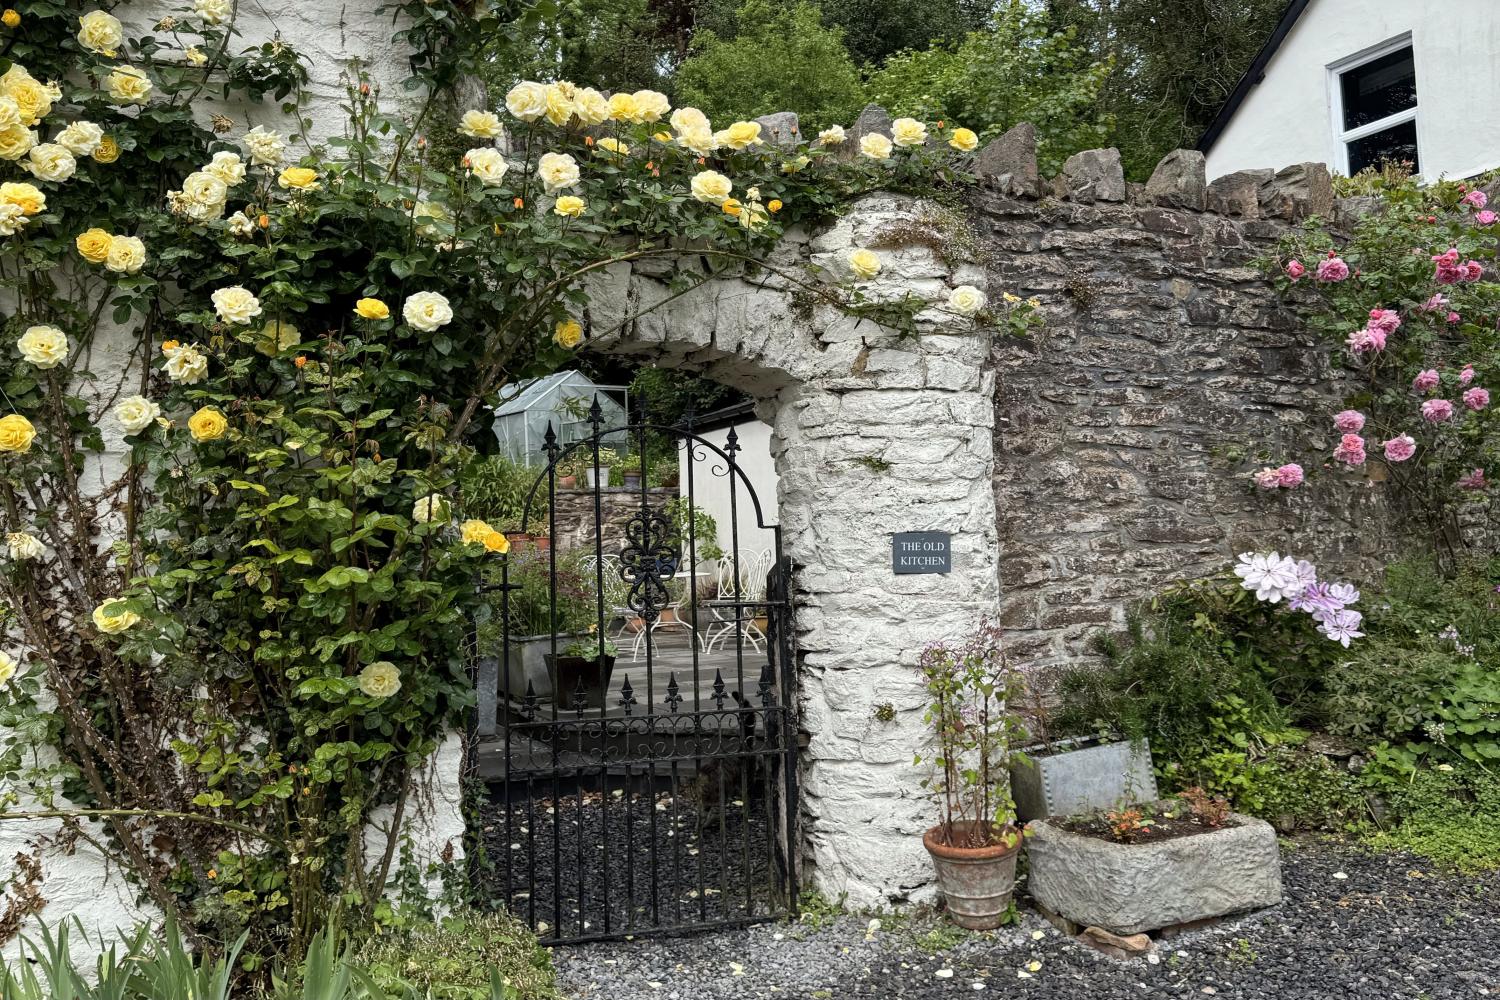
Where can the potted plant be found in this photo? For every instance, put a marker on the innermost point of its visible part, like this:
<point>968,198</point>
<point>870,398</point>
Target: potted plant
<point>975,843</point>
<point>630,471</point>
<point>598,476</point>
<point>585,664</point>
<point>567,472</point>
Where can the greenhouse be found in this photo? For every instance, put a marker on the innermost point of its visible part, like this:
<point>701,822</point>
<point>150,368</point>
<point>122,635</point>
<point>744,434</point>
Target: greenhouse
<point>562,400</point>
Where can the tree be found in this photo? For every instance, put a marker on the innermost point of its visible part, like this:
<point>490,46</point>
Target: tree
<point>782,59</point>
<point>1018,69</point>
<point>876,29</point>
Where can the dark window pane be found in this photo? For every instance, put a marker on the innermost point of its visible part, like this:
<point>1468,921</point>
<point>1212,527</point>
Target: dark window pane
<point>1397,143</point>
<point>1379,88</point>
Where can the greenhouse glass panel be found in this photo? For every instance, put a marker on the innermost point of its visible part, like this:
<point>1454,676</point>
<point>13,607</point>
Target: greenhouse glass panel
<point>562,400</point>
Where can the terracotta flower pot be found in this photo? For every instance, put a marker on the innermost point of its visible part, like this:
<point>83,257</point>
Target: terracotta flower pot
<point>567,482</point>
<point>976,882</point>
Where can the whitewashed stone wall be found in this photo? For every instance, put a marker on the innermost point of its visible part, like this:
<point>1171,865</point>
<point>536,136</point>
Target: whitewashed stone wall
<point>873,433</point>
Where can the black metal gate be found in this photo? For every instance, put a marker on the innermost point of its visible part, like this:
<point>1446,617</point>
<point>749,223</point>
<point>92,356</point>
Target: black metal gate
<point>644,761</point>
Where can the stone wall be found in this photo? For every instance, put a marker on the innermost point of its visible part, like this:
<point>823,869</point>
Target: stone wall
<point>575,515</point>
<point>1167,370</point>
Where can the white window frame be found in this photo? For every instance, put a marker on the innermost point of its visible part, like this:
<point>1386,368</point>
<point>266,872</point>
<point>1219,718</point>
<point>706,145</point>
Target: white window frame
<point>1342,136</point>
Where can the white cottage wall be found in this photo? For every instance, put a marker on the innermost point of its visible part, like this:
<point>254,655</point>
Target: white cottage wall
<point>1288,117</point>
<point>711,490</point>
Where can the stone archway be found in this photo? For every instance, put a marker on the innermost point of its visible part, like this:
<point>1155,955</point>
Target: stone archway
<point>873,433</point>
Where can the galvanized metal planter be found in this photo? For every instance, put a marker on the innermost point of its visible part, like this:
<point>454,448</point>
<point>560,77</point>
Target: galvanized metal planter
<point>526,663</point>
<point>1078,776</point>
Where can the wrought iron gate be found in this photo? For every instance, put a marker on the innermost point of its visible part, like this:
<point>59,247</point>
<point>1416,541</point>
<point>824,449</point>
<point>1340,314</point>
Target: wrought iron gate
<point>654,790</point>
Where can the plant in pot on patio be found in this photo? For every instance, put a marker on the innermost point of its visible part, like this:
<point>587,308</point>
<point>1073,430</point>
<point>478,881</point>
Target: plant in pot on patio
<point>974,847</point>
<point>630,471</point>
<point>581,672</point>
<point>598,477</point>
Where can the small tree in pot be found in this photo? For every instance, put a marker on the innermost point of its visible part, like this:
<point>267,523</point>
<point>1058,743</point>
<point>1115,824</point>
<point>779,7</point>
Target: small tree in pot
<point>974,847</point>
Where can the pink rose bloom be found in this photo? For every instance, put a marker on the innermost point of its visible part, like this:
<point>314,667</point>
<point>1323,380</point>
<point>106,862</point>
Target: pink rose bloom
<point>1332,269</point>
<point>1425,381</point>
<point>1267,478</point>
<point>1290,475</point>
<point>1472,270</point>
<point>1435,411</point>
<point>1466,376</point>
<point>1349,421</point>
<point>1476,398</point>
<point>1386,320</point>
<point>1486,218</point>
<point>1295,270</point>
<point>1438,301</point>
<point>1472,480</point>
<point>1446,269</point>
<point>1453,317</point>
<point>1478,199</point>
<point>1351,450</point>
<point>1399,448</point>
<point>1366,340</point>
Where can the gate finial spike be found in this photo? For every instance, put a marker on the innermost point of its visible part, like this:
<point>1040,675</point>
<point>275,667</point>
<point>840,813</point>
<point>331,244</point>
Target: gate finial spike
<point>731,444</point>
<point>596,413</point>
<point>627,696</point>
<point>719,694</point>
<point>580,696</point>
<point>674,698</point>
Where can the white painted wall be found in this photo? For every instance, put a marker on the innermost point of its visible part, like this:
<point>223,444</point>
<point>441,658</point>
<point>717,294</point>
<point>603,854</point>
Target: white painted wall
<point>711,490</point>
<point>1288,117</point>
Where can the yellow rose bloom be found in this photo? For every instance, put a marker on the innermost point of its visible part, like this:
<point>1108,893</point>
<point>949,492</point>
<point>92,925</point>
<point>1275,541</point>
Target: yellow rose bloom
<point>93,245</point>
<point>128,85</point>
<point>612,147</point>
<point>742,134</point>
<point>16,433</point>
<point>495,541</point>
<point>570,205</point>
<point>774,205</point>
<point>113,624</point>
<point>372,309</point>
<point>864,263</point>
<point>908,132</point>
<point>380,679</point>
<point>875,146</point>
<point>33,99</point>
<point>569,334</point>
<point>27,197</point>
<point>474,530</point>
<point>481,125</point>
<point>208,424</point>
<point>298,179</point>
<point>711,186</point>
<point>10,18</point>
<point>623,108</point>
<point>16,142</point>
<point>108,151</point>
<point>731,206</point>
<point>276,336</point>
<point>100,33</point>
<point>964,140</point>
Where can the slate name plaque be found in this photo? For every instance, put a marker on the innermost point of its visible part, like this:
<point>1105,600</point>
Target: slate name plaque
<point>921,552</point>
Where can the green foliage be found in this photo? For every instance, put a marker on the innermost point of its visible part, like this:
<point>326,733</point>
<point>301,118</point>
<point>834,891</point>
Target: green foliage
<point>1449,814</point>
<point>696,525</point>
<point>458,957</point>
<point>496,489</point>
<point>875,29</point>
<point>666,395</point>
<point>1017,70</point>
<point>781,59</point>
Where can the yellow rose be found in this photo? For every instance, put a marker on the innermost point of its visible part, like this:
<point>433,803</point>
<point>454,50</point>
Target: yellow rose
<point>195,56</point>
<point>591,107</point>
<point>51,162</point>
<point>100,33</point>
<point>474,530</point>
<point>559,103</point>
<point>276,336</point>
<point>875,146</point>
<point>486,163</point>
<point>43,346</point>
<point>689,119</point>
<point>16,142</point>
<point>113,624</point>
<point>622,108</point>
<point>697,140</point>
<point>964,140</point>
<point>24,196</point>
<point>208,424</point>
<point>570,205</point>
<point>650,105</point>
<point>298,179</point>
<point>864,263</point>
<point>742,134</point>
<point>613,147</point>
<point>108,151</point>
<point>380,679</point>
<point>480,125</point>
<point>527,100</point>
<point>557,171</point>
<point>568,335</point>
<point>494,541</point>
<point>711,186</point>
<point>908,132</point>
<point>236,305</point>
<point>10,18</point>
<point>372,309</point>
<point>731,206</point>
<point>7,663</point>
<point>93,245</point>
<point>16,433</point>
<point>33,99</point>
<point>127,254</point>
<point>128,85</point>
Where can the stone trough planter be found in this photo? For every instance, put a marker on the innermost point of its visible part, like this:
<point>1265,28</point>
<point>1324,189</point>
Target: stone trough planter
<point>1132,888</point>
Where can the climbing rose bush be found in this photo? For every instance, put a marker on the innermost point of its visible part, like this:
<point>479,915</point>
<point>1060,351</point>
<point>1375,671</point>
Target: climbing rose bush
<point>1409,300</point>
<point>237,565</point>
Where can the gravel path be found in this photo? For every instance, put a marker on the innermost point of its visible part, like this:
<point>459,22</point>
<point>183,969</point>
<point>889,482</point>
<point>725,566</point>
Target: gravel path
<point>1353,926</point>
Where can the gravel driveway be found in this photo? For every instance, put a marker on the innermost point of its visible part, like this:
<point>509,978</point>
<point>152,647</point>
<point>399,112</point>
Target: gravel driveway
<point>1353,926</point>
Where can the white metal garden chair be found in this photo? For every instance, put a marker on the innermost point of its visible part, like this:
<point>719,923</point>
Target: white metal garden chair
<point>732,610</point>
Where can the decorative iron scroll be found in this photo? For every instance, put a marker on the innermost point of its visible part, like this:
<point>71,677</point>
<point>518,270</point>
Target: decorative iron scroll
<point>650,559</point>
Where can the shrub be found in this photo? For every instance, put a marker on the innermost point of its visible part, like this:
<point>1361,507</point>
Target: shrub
<point>453,959</point>
<point>1449,814</point>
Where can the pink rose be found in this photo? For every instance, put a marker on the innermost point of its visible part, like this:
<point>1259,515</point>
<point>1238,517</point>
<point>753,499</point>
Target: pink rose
<point>1426,381</point>
<point>1399,448</point>
<point>1476,398</point>
<point>1435,411</point>
<point>1351,450</point>
<point>1349,421</point>
<point>1472,270</point>
<point>1446,269</point>
<point>1472,480</point>
<point>1290,475</point>
<point>1486,218</point>
<point>1366,340</point>
<point>1453,317</point>
<point>1267,478</point>
<point>1438,301</point>
<point>1386,320</point>
<point>1477,199</point>
<point>1332,269</point>
<point>1295,270</point>
<point>1466,376</point>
